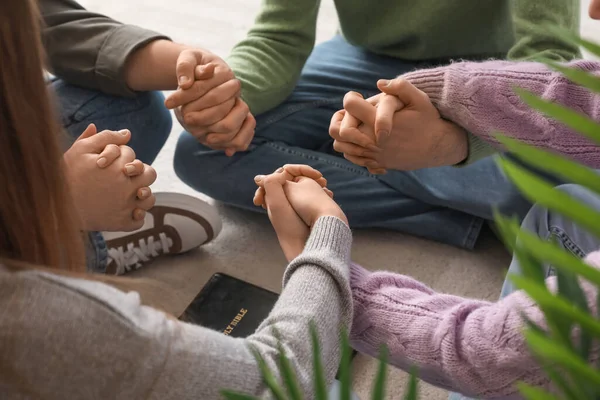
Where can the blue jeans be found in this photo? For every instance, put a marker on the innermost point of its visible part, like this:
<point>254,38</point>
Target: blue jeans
<point>144,115</point>
<point>447,204</point>
<point>548,225</point>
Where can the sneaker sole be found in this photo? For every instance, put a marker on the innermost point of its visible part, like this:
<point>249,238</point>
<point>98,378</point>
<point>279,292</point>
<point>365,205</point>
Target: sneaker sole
<point>193,205</point>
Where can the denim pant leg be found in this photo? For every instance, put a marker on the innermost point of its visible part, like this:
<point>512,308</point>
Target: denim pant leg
<point>547,225</point>
<point>443,204</point>
<point>144,115</point>
<point>96,253</point>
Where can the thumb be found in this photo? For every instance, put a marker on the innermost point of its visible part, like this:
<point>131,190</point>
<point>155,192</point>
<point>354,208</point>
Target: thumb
<point>203,72</point>
<point>98,142</point>
<point>89,132</point>
<point>405,91</point>
<point>184,69</point>
<point>384,116</point>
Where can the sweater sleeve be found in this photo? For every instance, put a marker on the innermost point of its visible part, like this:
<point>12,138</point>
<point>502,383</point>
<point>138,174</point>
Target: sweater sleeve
<point>473,347</point>
<point>89,49</point>
<point>106,345</point>
<point>533,40</point>
<point>269,60</point>
<point>480,97</point>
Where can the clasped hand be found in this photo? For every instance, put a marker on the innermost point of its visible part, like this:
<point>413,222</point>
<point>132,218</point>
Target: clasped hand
<point>399,129</point>
<point>295,197</point>
<point>110,187</point>
<point>208,103</point>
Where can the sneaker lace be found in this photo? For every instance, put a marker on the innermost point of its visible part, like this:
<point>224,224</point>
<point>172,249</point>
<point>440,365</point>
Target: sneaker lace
<point>135,255</point>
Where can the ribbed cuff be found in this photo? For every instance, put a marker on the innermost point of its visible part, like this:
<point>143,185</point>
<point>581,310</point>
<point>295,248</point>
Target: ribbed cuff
<point>478,149</point>
<point>430,81</point>
<point>330,234</point>
<point>330,239</point>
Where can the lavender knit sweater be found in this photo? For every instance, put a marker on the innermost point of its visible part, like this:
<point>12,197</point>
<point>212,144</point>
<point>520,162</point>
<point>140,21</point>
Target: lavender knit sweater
<point>471,346</point>
<point>480,98</point>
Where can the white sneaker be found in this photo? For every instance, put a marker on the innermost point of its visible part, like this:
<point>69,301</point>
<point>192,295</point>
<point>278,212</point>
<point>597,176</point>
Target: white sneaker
<point>176,224</point>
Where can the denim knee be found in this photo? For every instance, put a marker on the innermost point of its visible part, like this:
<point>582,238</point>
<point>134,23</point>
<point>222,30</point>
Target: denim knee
<point>580,192</point>
<point>573,237</point>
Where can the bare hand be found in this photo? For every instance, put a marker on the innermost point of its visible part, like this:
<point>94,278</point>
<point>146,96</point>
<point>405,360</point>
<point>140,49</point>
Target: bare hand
<point>411,133</point>
<point>356,139</point>
<point>106,198</point>
<point>291,230</point>
<point>111,153</point>
<point>292,171</point>
<point>295,196</point>
<point>208,102</point>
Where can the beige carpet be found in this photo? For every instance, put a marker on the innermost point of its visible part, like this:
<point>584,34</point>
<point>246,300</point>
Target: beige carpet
<point>247,247</point>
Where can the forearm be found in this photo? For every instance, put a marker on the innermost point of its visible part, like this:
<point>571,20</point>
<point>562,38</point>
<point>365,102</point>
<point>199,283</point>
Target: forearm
<point>469,346</point>
<point>152,67</point>
<point>269,60</point>
<point>180,360</point>
<point>316,290</point>
<point>89,49</point>
<point>480,98</point>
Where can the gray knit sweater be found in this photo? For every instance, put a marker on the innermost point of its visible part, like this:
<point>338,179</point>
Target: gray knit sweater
<point>65,338</point>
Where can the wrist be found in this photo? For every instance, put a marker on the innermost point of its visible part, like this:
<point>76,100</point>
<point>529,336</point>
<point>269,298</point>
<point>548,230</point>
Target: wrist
<point>453,144</point>
<point>292,248</point>
<point>152,67</point>
<point>337,213</point>
<point>430,81</point>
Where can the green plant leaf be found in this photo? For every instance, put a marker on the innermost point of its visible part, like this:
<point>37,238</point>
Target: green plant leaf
<point>554,352</point>
<point>578,76</point>
<point>411,392</point>
<point>344,371</point>
<point>561,378</point>
<point>230,395</point>
<point>508,236</point>
<point>268,378</point>
<point>556,321</point>
<point>534,393</point>
<point>532,325</point>
<point>319,372</point>
<point>574,120</point>
<point>557,257</point>
<point>598,317</point>
<point>379,387</point>
<point>569,288</point>
<point>570,171</point>
<point>530,268</point>
<point>288,374</point>
<point>560,381</point>
<point>545,194</point>
<point>556,304</point>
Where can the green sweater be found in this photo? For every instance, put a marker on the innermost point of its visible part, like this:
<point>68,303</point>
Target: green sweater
<point>270,59</point>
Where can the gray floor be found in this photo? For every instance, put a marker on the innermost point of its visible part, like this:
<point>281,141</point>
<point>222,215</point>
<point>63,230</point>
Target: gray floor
<point>247,247</point>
